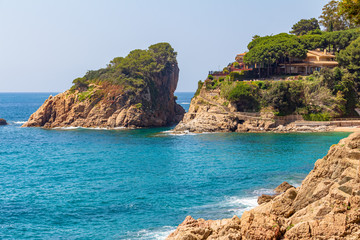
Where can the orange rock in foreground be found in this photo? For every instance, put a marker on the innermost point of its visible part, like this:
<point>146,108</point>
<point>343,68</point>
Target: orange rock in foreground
<point>325,206</point>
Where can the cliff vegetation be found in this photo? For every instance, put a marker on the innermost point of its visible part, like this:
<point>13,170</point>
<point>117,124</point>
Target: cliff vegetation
<point>132,91</point>
<point>133,73</point>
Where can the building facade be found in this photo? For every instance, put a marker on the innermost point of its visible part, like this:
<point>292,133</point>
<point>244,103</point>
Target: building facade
<point>314,61</point>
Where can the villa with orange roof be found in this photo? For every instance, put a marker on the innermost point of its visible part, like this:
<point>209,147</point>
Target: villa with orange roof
<point>314,61</point>
<point>237,66</point>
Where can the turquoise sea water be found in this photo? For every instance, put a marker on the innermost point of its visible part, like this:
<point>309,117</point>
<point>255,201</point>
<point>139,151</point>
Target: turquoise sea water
<point>135,184</point>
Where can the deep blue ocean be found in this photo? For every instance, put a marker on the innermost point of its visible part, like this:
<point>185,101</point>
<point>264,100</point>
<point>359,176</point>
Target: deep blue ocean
<point>135,184</point>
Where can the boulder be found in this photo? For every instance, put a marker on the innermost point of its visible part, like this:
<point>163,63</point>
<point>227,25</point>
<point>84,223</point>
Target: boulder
<point>282,187</point>
<point>2,122</point>
<point>264,198</point>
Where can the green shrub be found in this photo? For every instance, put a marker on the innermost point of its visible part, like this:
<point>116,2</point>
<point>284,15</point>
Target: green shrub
<point>211,84</point>
<point>289,227</point>
<point>138,105</point>
<point>200,84</point>
<point>236,76</point>
<point>317,116</point>
<point>284,97</point>
<point>86,95</point>
<point>236,64</point>
<point>210,77</point>
<point>240,90</point>
<point>263,84</point>
<point>80,83</point>
<point>243,94</point>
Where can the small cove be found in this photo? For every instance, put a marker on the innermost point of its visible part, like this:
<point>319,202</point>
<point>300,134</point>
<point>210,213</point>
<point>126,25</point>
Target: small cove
<point>135,184</point>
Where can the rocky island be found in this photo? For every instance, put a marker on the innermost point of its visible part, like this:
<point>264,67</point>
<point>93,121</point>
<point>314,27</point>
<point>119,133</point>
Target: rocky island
<point>134,91</point>
<point>325,206</point>
<point>2,122</point>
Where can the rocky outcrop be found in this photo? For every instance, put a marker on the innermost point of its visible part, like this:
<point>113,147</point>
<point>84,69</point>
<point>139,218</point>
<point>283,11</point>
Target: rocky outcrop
<point>109,106</point>
<point>209,112</point>
<point>325,206</point>
<point>2,122</point>
<point>282,188</point>
<point>264,198</point>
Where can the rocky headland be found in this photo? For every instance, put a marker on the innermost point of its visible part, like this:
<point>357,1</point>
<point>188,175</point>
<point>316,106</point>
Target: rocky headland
<point>135,91</point>
<point>211,112</point>
<point>325,206</point>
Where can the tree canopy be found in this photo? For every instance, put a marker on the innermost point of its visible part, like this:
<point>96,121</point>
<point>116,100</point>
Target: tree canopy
<point>282,48</point>
<point>304,26</point>
<point>333,19</point>
<point>349,58</point>
<point>352,10</point>
<point>333,41</point>
<point>269,50</point>
<point>136,70</point>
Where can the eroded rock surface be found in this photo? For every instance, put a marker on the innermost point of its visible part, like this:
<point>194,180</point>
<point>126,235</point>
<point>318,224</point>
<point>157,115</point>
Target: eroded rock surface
<point>325,206</point>
<point>209,112</point>
<point>107,106</point>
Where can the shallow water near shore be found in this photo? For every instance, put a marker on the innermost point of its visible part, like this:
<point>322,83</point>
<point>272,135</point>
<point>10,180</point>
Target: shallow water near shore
<point>135,184</point>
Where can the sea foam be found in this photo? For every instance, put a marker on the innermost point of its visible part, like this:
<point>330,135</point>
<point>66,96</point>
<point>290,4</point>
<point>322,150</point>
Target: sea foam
<point>152,234</point>
<point>88,128</point>
<point>19,122</point>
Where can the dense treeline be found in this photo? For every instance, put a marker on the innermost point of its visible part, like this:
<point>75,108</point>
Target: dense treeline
<point>270,51</point>
<point>339,20</point>
<point>134,72</point>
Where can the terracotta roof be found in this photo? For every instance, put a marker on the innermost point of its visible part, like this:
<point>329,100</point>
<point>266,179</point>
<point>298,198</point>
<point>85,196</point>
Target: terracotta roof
<point>241,54</point>
<point>320,53</point>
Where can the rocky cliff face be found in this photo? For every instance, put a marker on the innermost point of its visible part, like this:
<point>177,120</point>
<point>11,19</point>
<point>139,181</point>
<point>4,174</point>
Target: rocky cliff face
<point>325,206</point>
<point>209,112</point>
<point>107,105</point>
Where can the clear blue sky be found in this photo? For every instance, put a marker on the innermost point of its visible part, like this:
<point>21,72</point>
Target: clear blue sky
<point>45,44</point>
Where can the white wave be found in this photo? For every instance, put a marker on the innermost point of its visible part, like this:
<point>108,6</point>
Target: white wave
<point>261,191</point>
<point>155,234</point>
<point>19,122</point>
<point>118,128</point>
<point>295,183</point>
<point>234,204</point>
<point>182,133</point>
<point>185,103</point>
<point>88,128</point>
<point>241,204</point>
<point>67,128</point>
